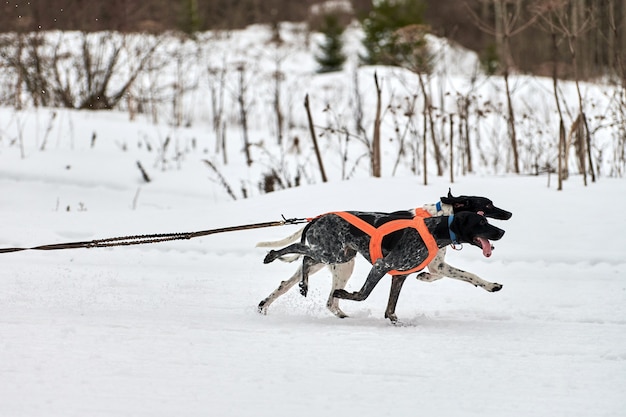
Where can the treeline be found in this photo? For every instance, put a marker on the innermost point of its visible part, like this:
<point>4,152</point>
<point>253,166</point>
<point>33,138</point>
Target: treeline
<point>147,15</point>
<point>526,28</point>
<point>592,30</point>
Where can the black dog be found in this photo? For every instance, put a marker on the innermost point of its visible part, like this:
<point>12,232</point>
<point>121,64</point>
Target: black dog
<point>437,268</point>
<point>408,244</point>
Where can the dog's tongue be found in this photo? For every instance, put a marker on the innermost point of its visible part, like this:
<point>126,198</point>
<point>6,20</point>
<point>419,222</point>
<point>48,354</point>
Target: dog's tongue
<point>486,246</point>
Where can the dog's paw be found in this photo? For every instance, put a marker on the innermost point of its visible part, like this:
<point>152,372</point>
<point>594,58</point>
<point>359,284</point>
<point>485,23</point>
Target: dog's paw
<point>261,308</point>
<point>423,276</point>
<point>304,289</point>
<point>392,317</point>
<point>340,294</point>
<point>491,286</point>
<point>333,307</point>
<point>270,257</point>
<point>429,276</point>
<point>340,314</point>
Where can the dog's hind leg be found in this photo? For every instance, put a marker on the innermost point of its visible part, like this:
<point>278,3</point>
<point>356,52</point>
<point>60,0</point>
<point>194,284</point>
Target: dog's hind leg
<point>377,272</point>
<point>396,286</point>
<point>341,274</point>
<point>307,263</point>
<point>285,286</point>
<point>299,248</point>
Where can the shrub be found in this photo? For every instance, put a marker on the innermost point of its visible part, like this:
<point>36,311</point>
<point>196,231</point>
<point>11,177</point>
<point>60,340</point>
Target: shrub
<point>381,26</point>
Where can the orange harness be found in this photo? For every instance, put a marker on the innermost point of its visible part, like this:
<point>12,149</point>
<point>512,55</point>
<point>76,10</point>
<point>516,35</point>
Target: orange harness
<point>377,234</point>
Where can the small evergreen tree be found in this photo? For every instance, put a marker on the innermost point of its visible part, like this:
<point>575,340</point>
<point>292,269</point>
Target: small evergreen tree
<point>331,57</point>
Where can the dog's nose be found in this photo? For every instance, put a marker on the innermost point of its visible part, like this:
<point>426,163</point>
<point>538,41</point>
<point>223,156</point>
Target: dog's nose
<point>502,215</point>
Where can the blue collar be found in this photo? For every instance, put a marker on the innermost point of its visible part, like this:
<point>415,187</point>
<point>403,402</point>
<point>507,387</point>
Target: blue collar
<point>452,234</point>
<point>438,206</point>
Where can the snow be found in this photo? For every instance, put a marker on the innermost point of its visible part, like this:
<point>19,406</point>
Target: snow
<point>173,329</point>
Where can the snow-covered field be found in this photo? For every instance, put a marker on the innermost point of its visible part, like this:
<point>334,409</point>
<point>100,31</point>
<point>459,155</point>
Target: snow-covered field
<point>172,329</point>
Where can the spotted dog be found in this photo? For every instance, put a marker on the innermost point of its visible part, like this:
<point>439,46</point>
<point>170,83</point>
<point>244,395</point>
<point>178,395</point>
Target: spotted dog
<point>437,268</point>
<point>398,243</point>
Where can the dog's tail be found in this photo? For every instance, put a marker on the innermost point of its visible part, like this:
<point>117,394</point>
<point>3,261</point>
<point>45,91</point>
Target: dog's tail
<point>283,242</point>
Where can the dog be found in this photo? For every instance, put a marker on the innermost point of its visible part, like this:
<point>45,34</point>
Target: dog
<point>437,269</point>
<point>397,243</point>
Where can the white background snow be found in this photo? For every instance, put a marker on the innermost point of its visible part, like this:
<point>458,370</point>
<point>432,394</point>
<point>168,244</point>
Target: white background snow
<point>173,329</point>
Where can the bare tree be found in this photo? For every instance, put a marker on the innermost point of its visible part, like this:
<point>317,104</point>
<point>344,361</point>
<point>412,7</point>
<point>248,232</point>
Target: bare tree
<point>31,60</point>
<point>415,56</point>
<point>451,117</point>
<point>463,105</point>
<point>318,154</point>
<point>507,23</point>
<point>101,55</point>
<point>408,111</point>
<point>619,69</point>
<point>570,21</point>
<point>545,11</point>
<point>184,82</point>
<point>217,80</point>
<point>619,54</point>
<point>376,166</point>
<point>278,76</point>
<point>54,75</point>
<point>243,109</point>
<point>358,103</point>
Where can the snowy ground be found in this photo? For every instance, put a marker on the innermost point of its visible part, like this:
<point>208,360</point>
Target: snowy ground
<point>172,328</point>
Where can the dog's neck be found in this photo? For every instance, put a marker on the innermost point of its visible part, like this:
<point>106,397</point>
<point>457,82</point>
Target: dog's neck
<point>439,209</point>
<point>440,229</point>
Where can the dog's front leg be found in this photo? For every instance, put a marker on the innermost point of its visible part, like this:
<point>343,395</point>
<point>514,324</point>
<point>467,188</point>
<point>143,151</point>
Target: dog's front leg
<point>473,279</point>
<point>434,268</point>
<point>376,273</point>
<point>396,286</point>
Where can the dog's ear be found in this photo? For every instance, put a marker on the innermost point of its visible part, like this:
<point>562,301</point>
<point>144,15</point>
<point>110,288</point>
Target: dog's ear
<point>458,203</point>
<point>449,199</point>
<point>455,201</point>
